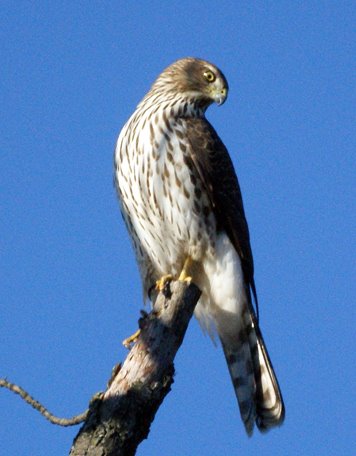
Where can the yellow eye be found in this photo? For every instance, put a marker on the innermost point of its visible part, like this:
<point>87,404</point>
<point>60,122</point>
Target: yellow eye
<point>209,76</point>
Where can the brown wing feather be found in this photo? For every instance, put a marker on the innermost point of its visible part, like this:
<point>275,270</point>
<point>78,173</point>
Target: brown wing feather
<point>213,163</point>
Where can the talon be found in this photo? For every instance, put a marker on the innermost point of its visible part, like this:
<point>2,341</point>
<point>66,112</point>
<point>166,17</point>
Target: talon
<point>184,275</point>
<point>132,339</point>
<point>185,278</point>
<point>162,282</point>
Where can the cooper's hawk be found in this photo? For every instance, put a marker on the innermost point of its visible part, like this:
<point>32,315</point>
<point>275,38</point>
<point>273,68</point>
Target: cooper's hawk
<point>182,205</point>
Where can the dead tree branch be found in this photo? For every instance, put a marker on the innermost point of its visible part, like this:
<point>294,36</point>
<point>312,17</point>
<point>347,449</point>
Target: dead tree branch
<point>120,418</point>
<point>4,383</point>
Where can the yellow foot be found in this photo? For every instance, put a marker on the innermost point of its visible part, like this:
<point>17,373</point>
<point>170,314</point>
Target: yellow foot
<point>185,278</point>
<point>162,282</point>
<point>184,275</point>
<point>131,340</point>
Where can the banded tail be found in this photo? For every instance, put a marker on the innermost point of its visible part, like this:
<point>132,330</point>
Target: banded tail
<point>253,378</point>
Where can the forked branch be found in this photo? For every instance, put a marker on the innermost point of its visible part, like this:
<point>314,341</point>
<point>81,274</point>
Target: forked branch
<point>120,418</point>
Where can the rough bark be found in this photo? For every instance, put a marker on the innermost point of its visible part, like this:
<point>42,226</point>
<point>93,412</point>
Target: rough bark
<point>120,418</point>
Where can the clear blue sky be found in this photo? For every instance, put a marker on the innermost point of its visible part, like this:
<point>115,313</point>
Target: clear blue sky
<point>72,73</point>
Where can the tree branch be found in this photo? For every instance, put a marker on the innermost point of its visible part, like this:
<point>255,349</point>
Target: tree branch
<point>120,418</point>
<point>4,383</point>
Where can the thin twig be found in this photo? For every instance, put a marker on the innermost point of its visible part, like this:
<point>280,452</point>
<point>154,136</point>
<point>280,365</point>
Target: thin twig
<point>40,408</point>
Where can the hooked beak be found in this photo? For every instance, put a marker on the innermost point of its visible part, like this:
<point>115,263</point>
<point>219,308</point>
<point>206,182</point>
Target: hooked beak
<point>220,95</point>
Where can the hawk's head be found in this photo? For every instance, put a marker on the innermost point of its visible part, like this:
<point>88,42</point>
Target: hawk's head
<point>195,78</point>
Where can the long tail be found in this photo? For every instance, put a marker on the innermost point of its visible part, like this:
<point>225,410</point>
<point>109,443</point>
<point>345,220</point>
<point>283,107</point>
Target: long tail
<point>252,375</point>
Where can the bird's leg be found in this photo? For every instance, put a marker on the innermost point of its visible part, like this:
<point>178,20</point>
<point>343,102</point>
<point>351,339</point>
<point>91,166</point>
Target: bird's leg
<point>131,339</point>
<point>162,282</point>
<point>185,275</point>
